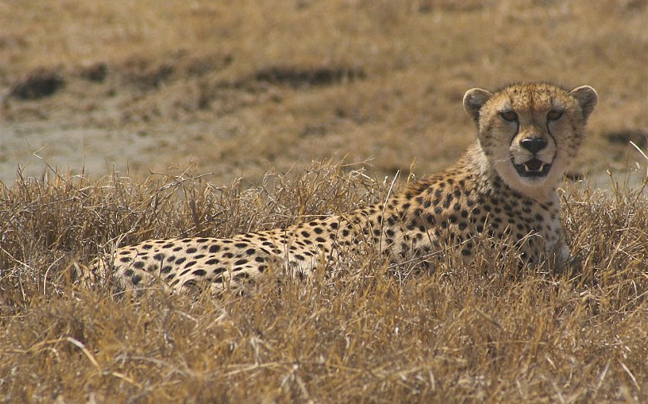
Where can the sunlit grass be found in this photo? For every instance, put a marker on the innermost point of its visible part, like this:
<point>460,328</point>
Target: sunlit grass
<point>463,332</point>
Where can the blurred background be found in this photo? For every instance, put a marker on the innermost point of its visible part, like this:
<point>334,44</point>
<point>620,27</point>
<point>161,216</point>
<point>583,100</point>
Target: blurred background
<point>238,88</point>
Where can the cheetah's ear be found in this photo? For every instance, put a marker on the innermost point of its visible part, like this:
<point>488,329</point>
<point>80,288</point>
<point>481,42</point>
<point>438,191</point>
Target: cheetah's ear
<point>474,100</point>
<point>586,97</point>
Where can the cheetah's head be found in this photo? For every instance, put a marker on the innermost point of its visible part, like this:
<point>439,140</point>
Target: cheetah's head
<point>530,133</point>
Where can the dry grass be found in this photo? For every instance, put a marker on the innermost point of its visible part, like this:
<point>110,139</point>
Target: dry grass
<point>480,332</point>
<point>258,89</point>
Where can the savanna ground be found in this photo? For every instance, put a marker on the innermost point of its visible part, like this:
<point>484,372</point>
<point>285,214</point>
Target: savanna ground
<point>126,120</point>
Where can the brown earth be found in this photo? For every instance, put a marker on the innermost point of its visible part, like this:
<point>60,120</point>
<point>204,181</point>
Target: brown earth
<point>240,88</point>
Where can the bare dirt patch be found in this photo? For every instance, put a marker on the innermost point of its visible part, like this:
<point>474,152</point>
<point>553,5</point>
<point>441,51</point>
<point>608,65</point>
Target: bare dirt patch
<point>237,90</point>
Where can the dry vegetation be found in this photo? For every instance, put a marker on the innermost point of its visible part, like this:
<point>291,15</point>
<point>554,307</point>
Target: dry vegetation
<point>257,89</point>
<point>481,332</point>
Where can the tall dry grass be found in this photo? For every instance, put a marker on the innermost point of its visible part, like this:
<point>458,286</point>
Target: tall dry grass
<point>464,333</point>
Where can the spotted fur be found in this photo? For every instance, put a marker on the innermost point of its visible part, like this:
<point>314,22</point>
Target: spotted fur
<point>503,188</point>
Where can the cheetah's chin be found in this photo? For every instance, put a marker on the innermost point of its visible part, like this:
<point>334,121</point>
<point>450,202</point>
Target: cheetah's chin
<point>533,168</point>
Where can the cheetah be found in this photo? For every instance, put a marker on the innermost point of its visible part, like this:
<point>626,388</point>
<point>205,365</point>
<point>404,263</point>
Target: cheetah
<point>504,188</point>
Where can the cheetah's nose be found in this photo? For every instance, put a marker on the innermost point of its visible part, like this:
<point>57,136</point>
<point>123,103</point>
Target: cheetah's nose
<point>534,144</point>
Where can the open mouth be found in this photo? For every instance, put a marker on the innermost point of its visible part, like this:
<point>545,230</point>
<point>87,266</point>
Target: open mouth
<point>532,168</point>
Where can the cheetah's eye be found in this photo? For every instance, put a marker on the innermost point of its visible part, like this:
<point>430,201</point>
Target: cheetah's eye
<point>509,115</point>
<point>554,115</point>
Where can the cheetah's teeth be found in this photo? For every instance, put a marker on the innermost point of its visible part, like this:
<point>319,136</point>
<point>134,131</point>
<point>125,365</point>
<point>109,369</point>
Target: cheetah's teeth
<point>527,169</point>
<point>532,168</point>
